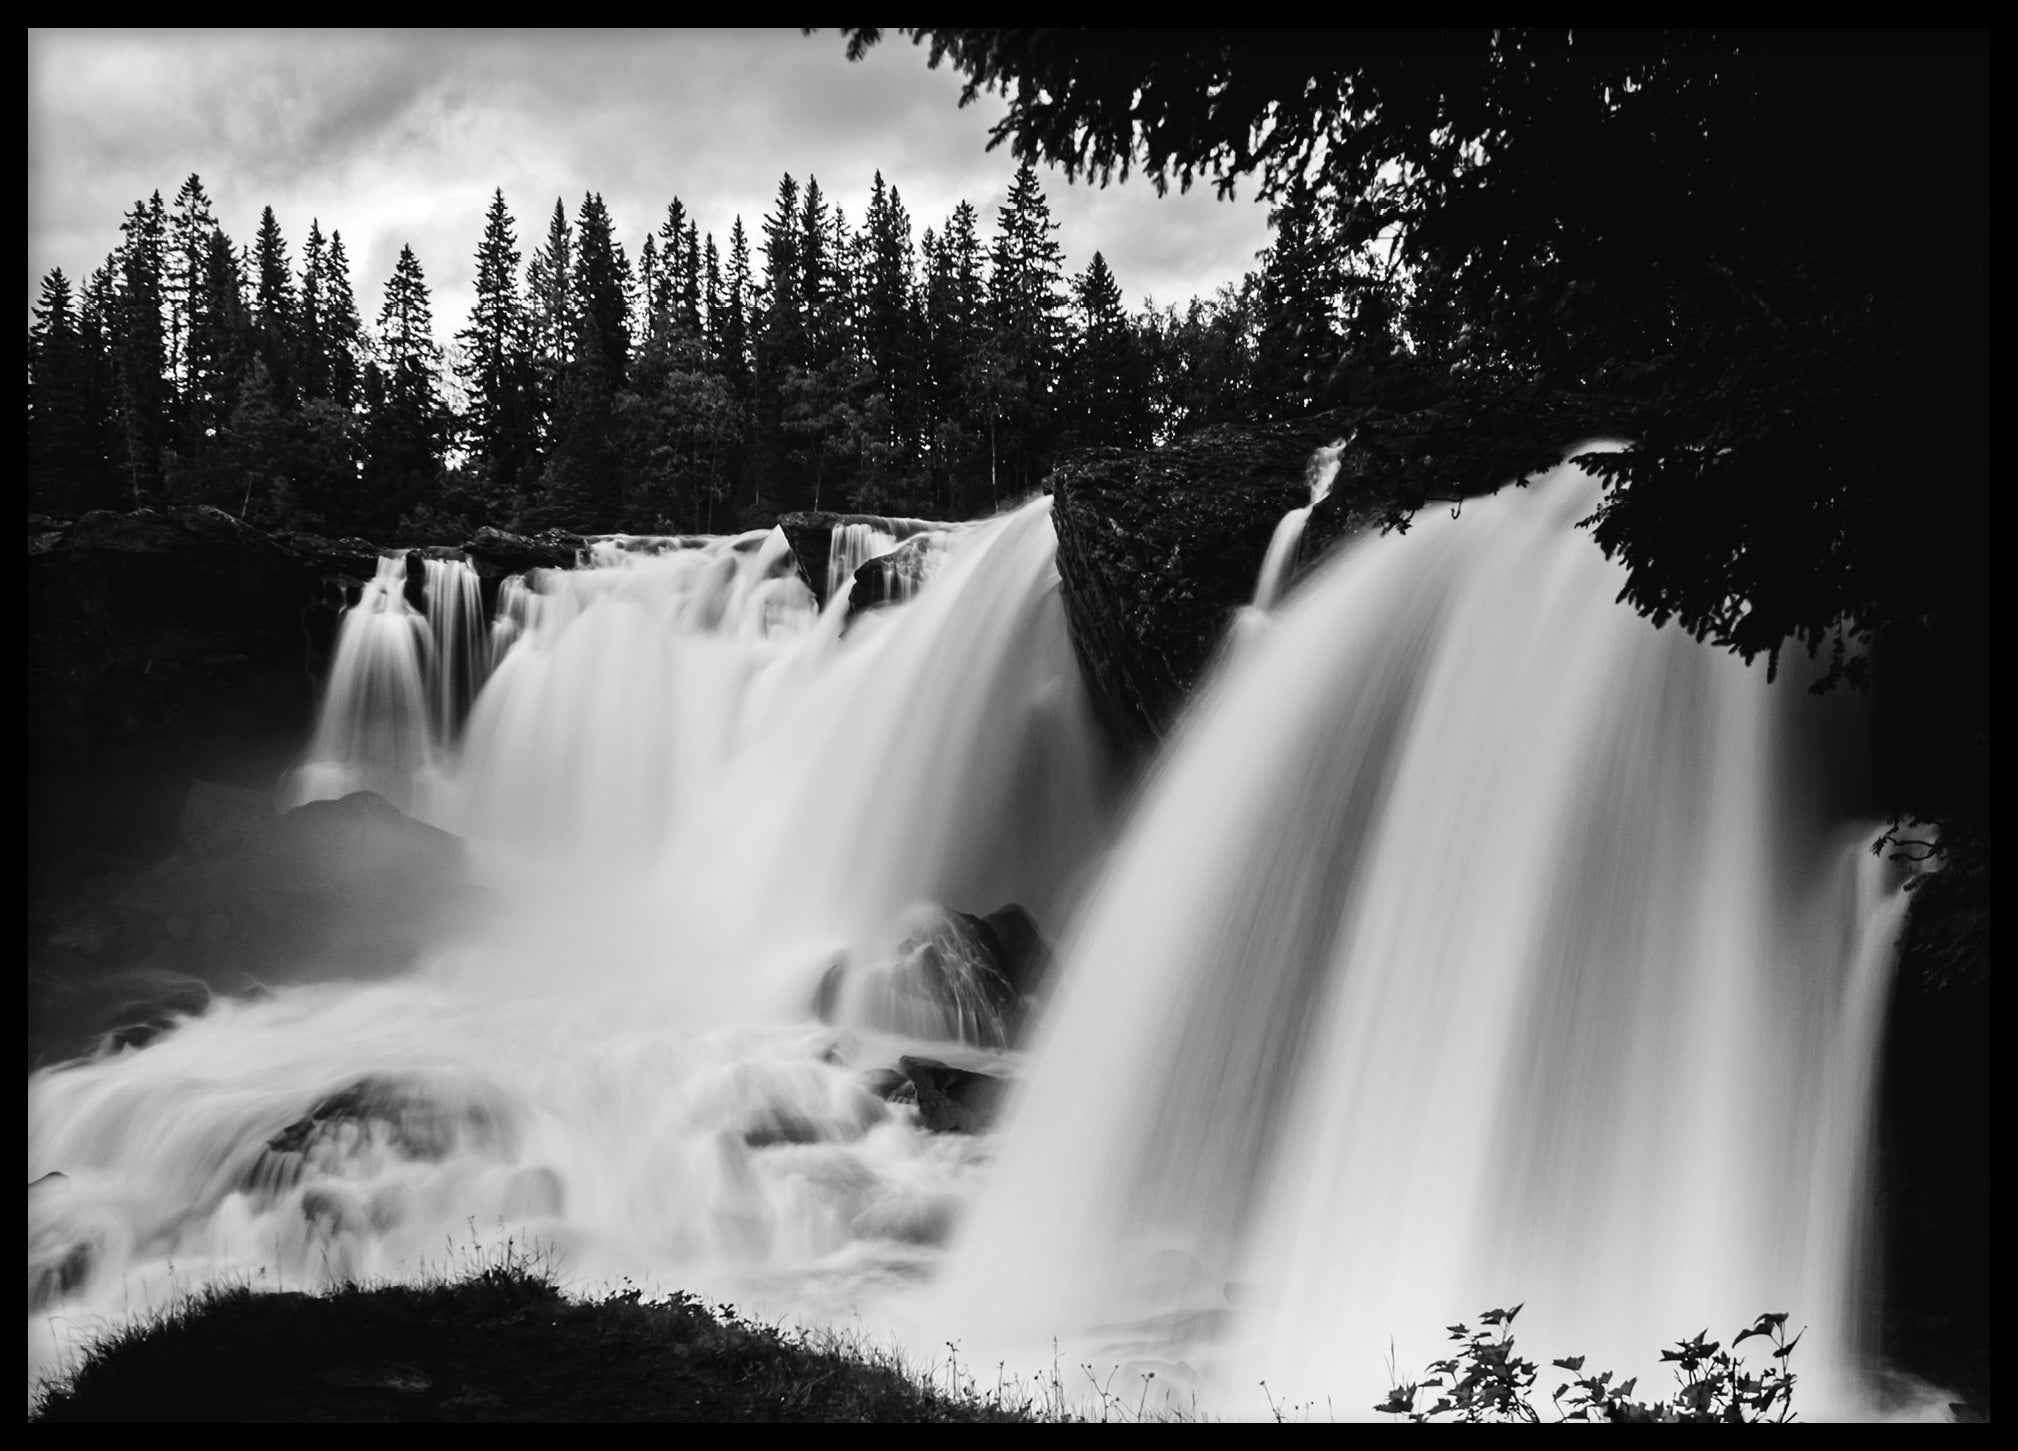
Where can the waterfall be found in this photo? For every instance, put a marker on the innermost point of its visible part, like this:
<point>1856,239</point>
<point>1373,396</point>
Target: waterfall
<point>851,546</point>
<point>375,730</point>
<point>1472,942</point>
<point>1475,943</point>
<point>691,796</point>
<point>1280,561</point>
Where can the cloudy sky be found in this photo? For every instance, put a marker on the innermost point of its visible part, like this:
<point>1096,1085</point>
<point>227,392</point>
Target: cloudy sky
<point>400,137</point>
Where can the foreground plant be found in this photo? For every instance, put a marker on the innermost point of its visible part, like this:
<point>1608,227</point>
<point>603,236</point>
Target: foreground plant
<point>1487,1381</point>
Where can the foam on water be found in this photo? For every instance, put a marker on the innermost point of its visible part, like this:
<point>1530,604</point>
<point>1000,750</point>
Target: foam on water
<point>1473,942</point>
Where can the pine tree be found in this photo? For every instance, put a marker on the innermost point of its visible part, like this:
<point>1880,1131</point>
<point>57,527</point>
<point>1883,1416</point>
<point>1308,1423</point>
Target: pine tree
<point>190,223</point>
<point>780,326</point>
<point>97,310</point>
<point>890,330</point>
<point>58,429</point>
<point>274,320</point>
<point>496,365</point>
<point>585,480</point>
<point>1299,342</point>
<point>650,320</point>
<point>220,344</point>
<point>312,347</point>
<point>778,351</point>
<point>712,300</point>
<point>141,349</point>
<point>1019,384</point>
<point>1106,397</point>
<point>342,330</point>
<point>551,309</point>
<point>733,335</point>
<point>405,421</point>
<point>691,284</point>
<point>955,327</point>
<point>672,259</point>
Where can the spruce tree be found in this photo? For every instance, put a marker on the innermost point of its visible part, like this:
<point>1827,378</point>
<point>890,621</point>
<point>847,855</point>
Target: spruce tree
<point>550,308</point>
<point>190,223</point>
<point>343,330</point>
<point>585,475</point>
<point>274,320</point>
<point>671,283</point>
<point>405,424</point>
<point>691,282</point>
<point>495,365</point>
<point>650,319</point>
<point>220,344</point>
<point>778,351</point>
<point>1106,397</point>
<point>890,326</point>
<point>713,303</point>
<point>955,327</point>
<point>97,310</point>
<point>141,349</point>
<point>1020,383</point>
<point>58,429</point>
<point>311,344</point>
<point>733,335</point>
<point>1299,342</point>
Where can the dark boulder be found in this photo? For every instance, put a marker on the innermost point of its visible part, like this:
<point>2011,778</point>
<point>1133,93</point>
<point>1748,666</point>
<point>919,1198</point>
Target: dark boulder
<point>497,555</point>
<point>888,1083</point>
<point>341,888</point>
<point>896,575</point>
<point>418,1119</point>
<point>954,1100</point>
<point>951,976</point>
<point>944,980</point>
<point>811,535</point>
<point>1021,953</point>
<point>217,818</point>
<point>165,645</point>
<point>1158,548</point>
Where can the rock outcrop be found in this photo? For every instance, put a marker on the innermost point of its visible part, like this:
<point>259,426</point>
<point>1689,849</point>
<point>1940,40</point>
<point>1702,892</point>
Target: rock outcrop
<point>954,1100</point>
<point>332,889</point>
<point>1158,548</point>
<point>951,976</point>
<point>811,535</point>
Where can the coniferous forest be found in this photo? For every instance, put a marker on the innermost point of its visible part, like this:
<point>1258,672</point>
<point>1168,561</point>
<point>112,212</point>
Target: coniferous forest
<point>684,385</point>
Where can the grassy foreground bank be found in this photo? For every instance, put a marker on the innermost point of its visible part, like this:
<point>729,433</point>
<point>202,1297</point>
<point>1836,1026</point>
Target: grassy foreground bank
<point>501,1345</point>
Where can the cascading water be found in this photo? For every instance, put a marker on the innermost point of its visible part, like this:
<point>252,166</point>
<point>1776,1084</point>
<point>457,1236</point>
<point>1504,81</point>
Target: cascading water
<point>1476,943</point>
<point>1280,561</point>
<point>691,795</point>
<point>1473,942</point>
<point>851,546</point>
<point>376,729</point>
<point>455,621</point>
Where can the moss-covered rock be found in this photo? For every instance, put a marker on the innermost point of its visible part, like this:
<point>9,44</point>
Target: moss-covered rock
<point>1156,550</point>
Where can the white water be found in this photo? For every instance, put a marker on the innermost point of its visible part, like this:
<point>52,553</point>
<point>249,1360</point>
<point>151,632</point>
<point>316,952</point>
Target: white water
<point>1476,944</point>
<point>1279,564</point>
<point>1472,943</point>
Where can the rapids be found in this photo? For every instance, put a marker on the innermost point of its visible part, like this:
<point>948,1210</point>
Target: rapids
<point>1472,942</point>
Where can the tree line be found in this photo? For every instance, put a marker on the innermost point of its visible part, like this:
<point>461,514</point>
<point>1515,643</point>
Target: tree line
<point>822,364</point>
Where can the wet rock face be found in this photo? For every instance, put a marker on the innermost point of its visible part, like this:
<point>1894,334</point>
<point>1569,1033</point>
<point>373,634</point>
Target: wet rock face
<point>897,575</point>
<point>333,889</point>
<point>950,976</point>
<point>811,535</point>
<point>1158,548</point>
<point>165,646</point>
<point>496,555</point>
<point>954,1100</point>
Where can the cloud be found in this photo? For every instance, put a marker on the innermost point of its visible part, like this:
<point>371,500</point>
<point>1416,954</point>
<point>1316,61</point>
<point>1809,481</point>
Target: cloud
<point>399,137</point>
